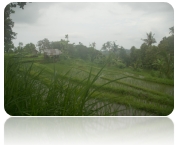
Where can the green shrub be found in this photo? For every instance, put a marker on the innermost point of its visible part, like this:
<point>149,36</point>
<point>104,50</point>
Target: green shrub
<point>121,65</point>
<point>28,92</point>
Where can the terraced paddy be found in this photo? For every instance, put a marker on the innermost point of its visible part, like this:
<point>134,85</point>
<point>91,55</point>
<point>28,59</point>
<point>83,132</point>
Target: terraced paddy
<point>132,94</point>
<point>75,87</point>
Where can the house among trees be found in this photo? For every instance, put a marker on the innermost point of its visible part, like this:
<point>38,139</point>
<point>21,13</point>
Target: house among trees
<point>34,53</point>
<point>52,53</point>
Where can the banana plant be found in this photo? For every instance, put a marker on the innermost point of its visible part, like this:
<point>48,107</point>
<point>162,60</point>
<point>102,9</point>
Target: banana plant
<point>160,64</point>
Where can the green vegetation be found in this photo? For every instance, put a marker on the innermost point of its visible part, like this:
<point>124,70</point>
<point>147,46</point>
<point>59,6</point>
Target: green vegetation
<point>9,35</point>
<point>29,91</point>
<point>71,87</point>
<point>84,81</point>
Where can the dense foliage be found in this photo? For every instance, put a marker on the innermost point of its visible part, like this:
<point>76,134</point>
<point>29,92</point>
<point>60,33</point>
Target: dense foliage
<point>30,92</point>
<point>9,35</point>
<point>149,57</point>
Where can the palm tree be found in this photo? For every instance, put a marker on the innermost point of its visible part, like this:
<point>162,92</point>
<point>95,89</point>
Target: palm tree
<point>67,37</point>
<point>20,44</point>
<point>104,47</point>
<point>150,39</point>
<point>46,43</point>
<point>93,45</point>
<point>108,45</point>
<point>114,47</point>
<point>80,43</point>
<point>40,45</point>
<point>171,30</point>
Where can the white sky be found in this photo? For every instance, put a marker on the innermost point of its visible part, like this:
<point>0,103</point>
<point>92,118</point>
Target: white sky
<point>125,23</point>
<point>141,33</point>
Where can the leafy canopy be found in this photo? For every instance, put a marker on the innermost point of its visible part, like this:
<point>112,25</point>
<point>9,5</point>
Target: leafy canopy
<point>9,35</point>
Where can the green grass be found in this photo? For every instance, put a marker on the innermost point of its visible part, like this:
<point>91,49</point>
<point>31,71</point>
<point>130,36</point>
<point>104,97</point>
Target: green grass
<point>71,87</point>
<point>29,92</point>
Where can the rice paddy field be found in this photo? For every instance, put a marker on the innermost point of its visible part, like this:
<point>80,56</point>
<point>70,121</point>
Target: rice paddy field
<point>79,88</point>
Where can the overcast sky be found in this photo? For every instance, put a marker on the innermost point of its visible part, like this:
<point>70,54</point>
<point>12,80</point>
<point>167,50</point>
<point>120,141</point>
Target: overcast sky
<point>125,23</point>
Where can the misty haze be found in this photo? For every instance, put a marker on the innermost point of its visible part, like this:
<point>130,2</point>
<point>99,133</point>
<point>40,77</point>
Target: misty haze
<point>88,59</point>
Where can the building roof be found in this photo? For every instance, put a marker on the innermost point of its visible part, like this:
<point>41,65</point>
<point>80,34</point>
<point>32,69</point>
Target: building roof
<point>52,51</point>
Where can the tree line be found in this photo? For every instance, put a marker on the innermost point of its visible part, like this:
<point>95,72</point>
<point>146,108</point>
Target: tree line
<point>160,57</point>
<point>148,56</point>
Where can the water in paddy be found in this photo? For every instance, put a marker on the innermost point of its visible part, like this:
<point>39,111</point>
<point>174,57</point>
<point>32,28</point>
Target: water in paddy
<point>150,85</point>
<point>120,110</point>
